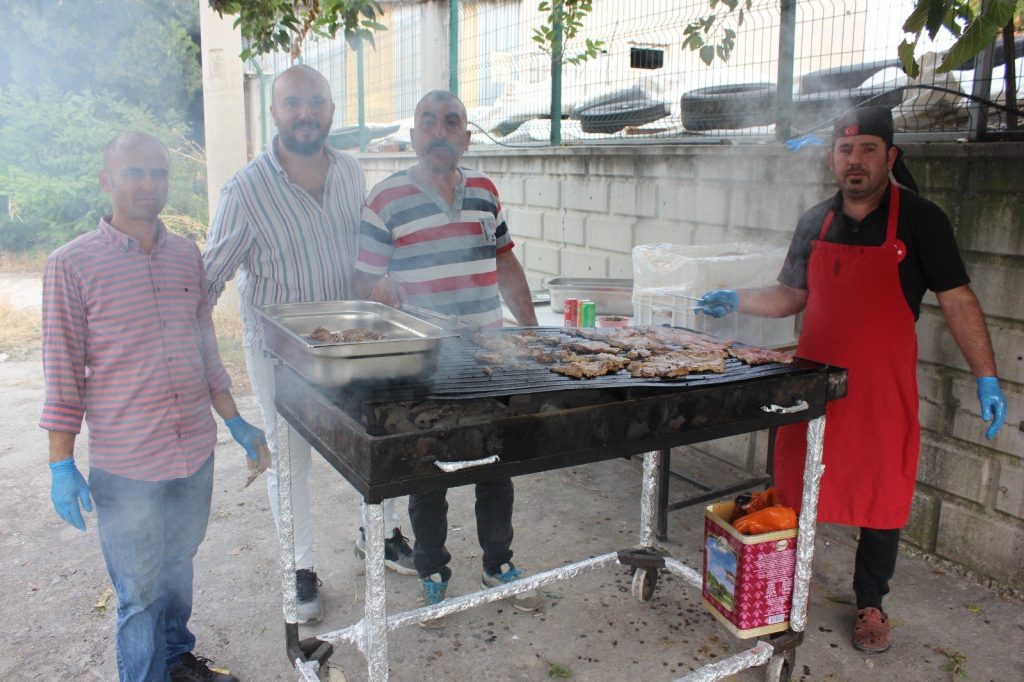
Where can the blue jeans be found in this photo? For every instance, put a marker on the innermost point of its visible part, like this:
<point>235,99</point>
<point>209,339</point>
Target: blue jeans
<point>149,532</point>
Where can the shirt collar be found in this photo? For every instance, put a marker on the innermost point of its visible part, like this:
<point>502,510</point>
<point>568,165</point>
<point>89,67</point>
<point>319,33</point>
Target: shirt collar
<point>883,204</point>
<point>122,241</point>
<point>275,162</point>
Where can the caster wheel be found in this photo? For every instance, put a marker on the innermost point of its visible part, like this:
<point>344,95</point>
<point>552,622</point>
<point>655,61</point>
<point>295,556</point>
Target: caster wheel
<point>644,582</point>
<point>780,668</point>
<point>332,674</point>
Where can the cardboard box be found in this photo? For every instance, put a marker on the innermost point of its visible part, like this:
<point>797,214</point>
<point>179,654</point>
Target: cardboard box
<point>748,579</point>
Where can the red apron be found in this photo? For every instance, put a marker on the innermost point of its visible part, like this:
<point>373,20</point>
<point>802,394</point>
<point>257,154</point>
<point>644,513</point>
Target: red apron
<point>858,318</point>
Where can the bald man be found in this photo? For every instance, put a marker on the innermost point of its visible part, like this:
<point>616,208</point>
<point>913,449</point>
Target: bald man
<point>124,306</point>
<point>435,235</point>
<point>288,223</point>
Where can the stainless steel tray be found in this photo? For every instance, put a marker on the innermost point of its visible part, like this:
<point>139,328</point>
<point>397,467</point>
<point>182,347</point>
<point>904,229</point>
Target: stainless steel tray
<point>612,296</point>
<point>409,350</point>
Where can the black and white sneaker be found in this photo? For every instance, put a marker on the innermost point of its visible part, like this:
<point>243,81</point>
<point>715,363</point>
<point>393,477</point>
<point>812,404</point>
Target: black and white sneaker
<point>397,552</point>
<point>197,669</point>
<point>308,606</point>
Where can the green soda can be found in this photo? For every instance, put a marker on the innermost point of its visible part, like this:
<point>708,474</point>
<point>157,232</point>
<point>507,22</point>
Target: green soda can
<point>588,314</point>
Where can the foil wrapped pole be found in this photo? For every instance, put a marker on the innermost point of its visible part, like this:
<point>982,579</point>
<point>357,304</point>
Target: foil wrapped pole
<point>308,670</point>
<point>813,469</point>
<point>649,497</point>
<point>286,530</point>
<point>690,575</point>
<point>759,655</point>
<point>375,631</point>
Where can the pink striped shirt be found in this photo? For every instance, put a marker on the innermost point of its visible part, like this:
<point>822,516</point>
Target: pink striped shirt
<point>128,345</point>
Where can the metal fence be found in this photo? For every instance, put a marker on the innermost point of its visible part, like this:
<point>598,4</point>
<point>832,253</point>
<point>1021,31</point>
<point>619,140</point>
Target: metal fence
<point>796,65</point>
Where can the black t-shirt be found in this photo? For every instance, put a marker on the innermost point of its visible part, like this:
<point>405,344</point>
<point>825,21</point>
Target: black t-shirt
<point>933,259</point>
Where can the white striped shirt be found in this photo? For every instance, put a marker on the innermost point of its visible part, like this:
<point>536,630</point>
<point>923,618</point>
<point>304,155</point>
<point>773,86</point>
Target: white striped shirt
<point>287,247</point>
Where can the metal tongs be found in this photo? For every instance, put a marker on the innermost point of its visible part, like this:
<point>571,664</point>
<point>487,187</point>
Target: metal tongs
<point>452,323</point>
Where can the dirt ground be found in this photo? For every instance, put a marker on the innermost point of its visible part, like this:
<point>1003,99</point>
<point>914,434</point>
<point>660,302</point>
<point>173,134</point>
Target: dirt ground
<point>57,615</point>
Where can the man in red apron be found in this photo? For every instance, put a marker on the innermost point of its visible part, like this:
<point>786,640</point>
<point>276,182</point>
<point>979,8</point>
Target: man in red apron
<point>859,265</point>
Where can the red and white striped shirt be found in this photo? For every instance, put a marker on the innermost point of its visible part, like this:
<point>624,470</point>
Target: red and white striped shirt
<point>128,345</point>
<point>444,256</point>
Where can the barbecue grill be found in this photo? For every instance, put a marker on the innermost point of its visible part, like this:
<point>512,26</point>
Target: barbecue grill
<point>466,424</point>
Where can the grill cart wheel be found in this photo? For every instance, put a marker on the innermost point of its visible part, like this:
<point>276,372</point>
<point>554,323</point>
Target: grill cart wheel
<point>780,667</point>
<point>644,582</point>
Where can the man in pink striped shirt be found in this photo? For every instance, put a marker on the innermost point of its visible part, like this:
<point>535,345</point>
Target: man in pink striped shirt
<point>129,347</point>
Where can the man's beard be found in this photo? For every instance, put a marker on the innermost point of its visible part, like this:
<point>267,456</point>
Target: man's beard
<point>296,146</point>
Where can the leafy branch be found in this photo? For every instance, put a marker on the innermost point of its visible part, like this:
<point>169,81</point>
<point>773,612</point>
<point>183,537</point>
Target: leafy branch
<point>711,36</point>
<point>570,14</point>
<point>973,30</point>
<point>272,25</point>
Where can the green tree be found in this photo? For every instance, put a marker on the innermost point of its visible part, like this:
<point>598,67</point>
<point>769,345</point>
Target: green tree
<point>72,76</point>
<point>273,25</point>
<point>52,148</point>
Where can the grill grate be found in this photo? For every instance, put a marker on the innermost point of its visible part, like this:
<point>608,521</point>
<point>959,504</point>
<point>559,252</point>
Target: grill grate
<point>459,376</point>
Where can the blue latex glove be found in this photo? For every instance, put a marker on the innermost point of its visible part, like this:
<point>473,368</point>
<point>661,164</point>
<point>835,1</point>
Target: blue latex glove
<point>246,435</point>
<point>67,489</point>
<point>719,303</point>
<point>993,404</point>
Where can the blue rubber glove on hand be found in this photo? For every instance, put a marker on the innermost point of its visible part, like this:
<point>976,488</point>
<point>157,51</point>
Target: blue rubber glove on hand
<point>719,303</point>
<point>993,404</point>
<point>246,435</point>
<point>67,489</point>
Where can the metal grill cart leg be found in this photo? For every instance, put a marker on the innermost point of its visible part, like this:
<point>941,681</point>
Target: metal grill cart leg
<point>375,644</point>
<point>310,655</point>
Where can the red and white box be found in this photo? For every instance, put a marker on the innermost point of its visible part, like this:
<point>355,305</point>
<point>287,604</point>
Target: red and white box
<point>748,579</point>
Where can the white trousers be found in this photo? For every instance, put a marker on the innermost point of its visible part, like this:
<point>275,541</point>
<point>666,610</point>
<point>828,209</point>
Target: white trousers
<point>261,375</point>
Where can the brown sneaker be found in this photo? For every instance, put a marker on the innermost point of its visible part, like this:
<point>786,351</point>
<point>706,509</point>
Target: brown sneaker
<point>871,632</point>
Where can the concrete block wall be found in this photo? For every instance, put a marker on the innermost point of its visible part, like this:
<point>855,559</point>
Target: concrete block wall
<point>578,211</point>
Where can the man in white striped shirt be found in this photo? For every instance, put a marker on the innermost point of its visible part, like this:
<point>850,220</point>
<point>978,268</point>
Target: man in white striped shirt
<point>288,222</point>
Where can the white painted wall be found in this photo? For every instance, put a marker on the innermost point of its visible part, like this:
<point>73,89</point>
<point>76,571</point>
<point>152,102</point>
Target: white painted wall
<point>223,101</point>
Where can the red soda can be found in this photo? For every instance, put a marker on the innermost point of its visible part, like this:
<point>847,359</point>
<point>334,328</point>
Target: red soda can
<point>570,312</point>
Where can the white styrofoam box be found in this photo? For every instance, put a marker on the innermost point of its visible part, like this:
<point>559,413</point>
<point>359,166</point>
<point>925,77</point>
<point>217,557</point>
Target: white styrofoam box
<point>668,278</point>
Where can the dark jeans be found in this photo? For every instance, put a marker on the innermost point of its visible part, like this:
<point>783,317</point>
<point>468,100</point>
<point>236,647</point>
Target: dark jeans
<point>428,514</point>
<point>874,565</point>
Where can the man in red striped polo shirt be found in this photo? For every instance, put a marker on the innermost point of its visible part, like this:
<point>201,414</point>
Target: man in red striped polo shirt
<point>129,347</point>
<point>435,235</point>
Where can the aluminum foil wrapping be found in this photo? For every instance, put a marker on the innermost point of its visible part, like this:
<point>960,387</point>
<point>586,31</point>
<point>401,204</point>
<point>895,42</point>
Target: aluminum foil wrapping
<point>648,498</point>
<point>468,601</point>
<point>375,646</point>
<point>813,469</point>
<point>286,530</point>
<point>688,574</point>
<point>449,467</point>
<point>759,655</point>
<point>309,670</point>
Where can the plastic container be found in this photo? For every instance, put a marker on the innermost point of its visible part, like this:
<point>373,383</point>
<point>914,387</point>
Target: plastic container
<point>668,278</point>
<point>747,579</point>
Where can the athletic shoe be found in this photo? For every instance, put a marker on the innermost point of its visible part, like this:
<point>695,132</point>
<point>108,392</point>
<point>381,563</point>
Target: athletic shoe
<point>309,608</point>
<point>432,591</point>
<point>397,552</point>
<point>524,601</point>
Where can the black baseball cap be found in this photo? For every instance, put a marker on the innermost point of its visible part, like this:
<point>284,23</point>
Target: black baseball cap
<point>864,121</point>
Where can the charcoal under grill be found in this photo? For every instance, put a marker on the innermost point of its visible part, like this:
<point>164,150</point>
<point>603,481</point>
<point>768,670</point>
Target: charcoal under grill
<point>532,419</point>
